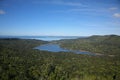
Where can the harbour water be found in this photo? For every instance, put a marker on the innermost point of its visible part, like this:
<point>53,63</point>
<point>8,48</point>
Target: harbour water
<point>57,48</point>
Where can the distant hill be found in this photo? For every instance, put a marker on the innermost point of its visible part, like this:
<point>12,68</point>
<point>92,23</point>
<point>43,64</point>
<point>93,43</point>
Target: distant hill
<point>20,61</point>
<point>108,44</point>
<point>9,39</point>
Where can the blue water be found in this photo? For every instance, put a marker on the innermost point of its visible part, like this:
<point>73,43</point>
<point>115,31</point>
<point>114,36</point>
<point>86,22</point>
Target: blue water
<point>57,48</point>
<point>51,47</point>
<point>44,38</point>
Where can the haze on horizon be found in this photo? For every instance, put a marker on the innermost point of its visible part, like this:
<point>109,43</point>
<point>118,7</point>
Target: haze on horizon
<point>59,17</point>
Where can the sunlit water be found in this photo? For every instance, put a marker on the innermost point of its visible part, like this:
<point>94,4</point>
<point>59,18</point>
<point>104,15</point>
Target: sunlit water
<point>57,48</point>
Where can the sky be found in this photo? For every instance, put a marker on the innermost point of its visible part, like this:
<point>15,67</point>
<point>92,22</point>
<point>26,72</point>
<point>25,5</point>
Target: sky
<point>59,17</point>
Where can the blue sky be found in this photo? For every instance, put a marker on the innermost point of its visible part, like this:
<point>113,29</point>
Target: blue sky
<point>59,17</point>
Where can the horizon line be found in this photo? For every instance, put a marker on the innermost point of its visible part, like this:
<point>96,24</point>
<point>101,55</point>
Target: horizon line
<point>64,35</point>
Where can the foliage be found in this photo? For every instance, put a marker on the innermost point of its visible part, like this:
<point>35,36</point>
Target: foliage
<point>107,45</point>
<point>19,61</point>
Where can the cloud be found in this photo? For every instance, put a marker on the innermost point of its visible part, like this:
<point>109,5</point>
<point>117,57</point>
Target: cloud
<point>86,10</point>
<point>113,8</point>
<point>117,15</point>
<point>2,12</point>
<point>60,2</point>
<point>67,3</point>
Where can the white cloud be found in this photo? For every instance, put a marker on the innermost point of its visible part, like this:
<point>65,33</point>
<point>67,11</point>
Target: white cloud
<point>87,10</point>
<point>117,15</point>
<point>113,8</point>
<point>2,12</point>
<point>60,2</point>
<point>68,3</point>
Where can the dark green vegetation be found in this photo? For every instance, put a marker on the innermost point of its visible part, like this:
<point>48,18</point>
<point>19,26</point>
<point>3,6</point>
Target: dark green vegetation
<point>19,61</point>
<point>107,45</point>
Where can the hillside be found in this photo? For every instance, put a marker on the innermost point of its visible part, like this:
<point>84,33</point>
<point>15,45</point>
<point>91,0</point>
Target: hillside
<point>19,61</point>
<point>107,45</point>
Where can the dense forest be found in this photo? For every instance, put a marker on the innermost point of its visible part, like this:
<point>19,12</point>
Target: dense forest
<point>105,45</point>
<point>20,61</point>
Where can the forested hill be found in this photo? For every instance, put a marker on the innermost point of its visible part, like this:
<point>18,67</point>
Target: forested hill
<point>19,61</point>
<point>107,45</point>
<point>16,43</point>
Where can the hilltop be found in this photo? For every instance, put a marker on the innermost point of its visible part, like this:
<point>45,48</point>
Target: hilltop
<point>107,45</point>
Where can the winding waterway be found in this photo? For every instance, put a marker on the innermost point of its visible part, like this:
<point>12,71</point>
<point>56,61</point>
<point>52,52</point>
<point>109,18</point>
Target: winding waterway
<point>57,48</point>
